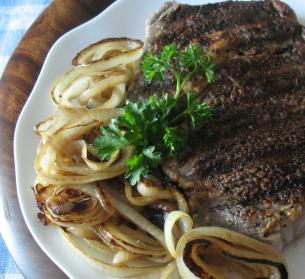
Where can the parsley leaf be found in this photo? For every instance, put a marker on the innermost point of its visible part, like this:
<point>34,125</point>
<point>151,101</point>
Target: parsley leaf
<point>156,66</point>
<point>136,169</point>
<point>174,140</point>
<point>196,60</point>
<point>168,53</point>
<point>111,140</point>
<point>198,112</point>
<point>152,68</point>
<point>153,157</point>
<point>140,165</point>
<point>209,70</point>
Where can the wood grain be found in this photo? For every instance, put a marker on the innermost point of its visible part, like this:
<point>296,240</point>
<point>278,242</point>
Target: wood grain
<point>15,86</point>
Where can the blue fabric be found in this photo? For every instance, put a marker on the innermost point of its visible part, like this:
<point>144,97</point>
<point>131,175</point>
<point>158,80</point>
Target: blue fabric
<point>10,38</point>
<point>7,266</point>
<point>16,16</point>
<point>13,3</point>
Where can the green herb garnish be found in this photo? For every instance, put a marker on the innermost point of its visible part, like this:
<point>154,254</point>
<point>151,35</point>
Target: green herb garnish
<point>156,126</point>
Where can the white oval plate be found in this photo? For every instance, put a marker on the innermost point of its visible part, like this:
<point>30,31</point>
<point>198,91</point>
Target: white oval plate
<point>125,18</point>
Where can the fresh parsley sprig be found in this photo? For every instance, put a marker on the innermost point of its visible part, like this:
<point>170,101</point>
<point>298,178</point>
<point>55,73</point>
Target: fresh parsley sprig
<point>193,61</point>
<point>155,126</point>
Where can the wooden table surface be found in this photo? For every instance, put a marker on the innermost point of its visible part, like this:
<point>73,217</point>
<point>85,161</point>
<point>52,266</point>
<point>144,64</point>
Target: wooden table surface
<point>15,86</point>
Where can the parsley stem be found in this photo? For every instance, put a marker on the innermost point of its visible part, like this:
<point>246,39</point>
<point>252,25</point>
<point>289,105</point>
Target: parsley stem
<point>178,86</point>
<point>180,115</point>
<point>176,118</point>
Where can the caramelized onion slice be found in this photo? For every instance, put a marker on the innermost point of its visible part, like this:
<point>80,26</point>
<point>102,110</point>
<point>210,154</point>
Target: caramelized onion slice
<point>97,166</point>
<point>133,215</point>
<point>170,221</point>
<point>89,88</point>
<point>117,98</point>
<point>85,232</point>
<point>63,158</point>
<point>106,49</point>
<point>80,124</point>
<point>71,206</point>
<point>169,270</point>
<point>122,257</point>
<point>117,238</point>
<point>104,67</point>
<point>216,252</point>
<point>104,261</point>
<point>148,194</point>
<point>63,116</point>
<point>58,177</point>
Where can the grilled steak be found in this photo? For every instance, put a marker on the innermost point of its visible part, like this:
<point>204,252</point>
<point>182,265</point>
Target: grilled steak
<point>246,169</point>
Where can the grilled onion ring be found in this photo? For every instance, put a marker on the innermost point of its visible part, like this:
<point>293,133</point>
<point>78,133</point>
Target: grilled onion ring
<point>216,252</point>
<point>76,206</point>
<point>63,158</point>
<point>107,49</point>
<point>51,125</point>
<point>104,67</point>
<point>102,260</point>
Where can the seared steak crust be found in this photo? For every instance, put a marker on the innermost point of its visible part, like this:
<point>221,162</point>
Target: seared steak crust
<point>246,169</point>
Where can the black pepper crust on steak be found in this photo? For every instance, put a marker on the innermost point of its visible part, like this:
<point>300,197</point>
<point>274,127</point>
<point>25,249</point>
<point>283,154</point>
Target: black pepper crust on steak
<point>246,169</point>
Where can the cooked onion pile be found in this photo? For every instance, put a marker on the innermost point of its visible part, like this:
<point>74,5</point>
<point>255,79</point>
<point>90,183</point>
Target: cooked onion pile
<point>111,223</point>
